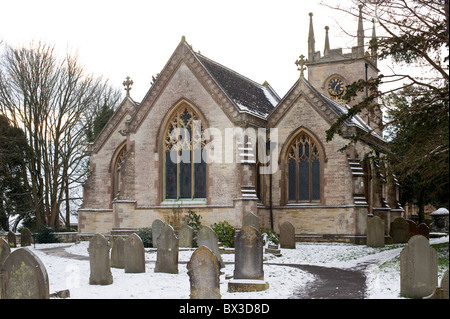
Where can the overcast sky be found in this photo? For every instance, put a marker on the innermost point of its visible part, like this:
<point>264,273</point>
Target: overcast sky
<point>260,39</point>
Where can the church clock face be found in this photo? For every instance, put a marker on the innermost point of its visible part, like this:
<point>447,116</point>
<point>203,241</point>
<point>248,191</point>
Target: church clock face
<point>336,86</point>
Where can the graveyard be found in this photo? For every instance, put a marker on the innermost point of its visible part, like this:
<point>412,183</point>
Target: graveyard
<point>68,268</point>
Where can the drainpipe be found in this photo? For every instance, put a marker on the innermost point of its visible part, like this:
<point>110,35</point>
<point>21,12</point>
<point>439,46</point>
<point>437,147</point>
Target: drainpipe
<point>268,148</point>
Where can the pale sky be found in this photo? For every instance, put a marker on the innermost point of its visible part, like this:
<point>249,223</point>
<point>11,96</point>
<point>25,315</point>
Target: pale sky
<point>259,39</point>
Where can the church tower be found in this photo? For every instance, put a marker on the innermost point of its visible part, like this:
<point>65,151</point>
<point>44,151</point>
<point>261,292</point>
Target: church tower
<point>331,72</point>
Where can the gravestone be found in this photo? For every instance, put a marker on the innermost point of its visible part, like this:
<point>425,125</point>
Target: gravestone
<point>12,239</point>
<point>250,220</point>
<point>23,276</point>
<point>118,253</point>
<point>185,236</point>
<point>134,254</point>
<point>421,229</point>
<point>375,232</point>
<point>5,250</point>
<point>418,268</point>
<point>167,254</point>
<point>100,264</point>
<point>248,254</point>
<point>157,227</point>
<point>287,236</point>
<point>25,237</point>
<point>441,292</point>
<point>399,231</point>
<point>208,237</point>
<point>248,264</point>
<point>204,272</point>
<point>424,230</point>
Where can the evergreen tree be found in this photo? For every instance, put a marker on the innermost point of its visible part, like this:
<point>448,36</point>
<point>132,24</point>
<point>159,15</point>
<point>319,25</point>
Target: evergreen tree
<point>14,196</point>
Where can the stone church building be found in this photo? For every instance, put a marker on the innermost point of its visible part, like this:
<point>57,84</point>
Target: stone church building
<point>206,138</point>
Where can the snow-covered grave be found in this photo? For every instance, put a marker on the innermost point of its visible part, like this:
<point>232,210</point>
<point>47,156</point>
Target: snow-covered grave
<point>73,274</point>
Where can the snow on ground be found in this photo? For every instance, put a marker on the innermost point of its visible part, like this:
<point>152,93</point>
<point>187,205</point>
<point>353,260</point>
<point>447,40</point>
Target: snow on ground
<point>382,282</point>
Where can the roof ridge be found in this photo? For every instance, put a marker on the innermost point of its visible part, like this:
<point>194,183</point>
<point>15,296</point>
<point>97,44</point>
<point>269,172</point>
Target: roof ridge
<point>231,70</point>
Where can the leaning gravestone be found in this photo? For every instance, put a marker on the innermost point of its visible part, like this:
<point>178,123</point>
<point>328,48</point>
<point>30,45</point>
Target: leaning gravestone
<point>118,253</point>
<point>208,237</point>
<point>418,268</point>
<point>399,231</point>
<point>25,237</point>
<point>287,235</point>
<point>250,220</point>
<point>375,232</point>
<point>186,236</point>
<point>100,264</point>
<point>167,254</point>
<point>134,254</point>
<point>157,227</point>
<point>204,272</point>
<point>23,276</point>
<point>12,239</point>
<point>5,250</point>
<point>248,264</point>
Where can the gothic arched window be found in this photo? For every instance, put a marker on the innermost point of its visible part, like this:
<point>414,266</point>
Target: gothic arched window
<point>303,164</point>
<point>117,171</point>
<point>185,168</point>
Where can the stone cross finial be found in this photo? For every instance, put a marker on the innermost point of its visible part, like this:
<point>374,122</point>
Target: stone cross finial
<point>301,64</point>
<point>127,84</point>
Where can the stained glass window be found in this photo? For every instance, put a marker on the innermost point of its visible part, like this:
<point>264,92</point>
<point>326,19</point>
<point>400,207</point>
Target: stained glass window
<point>303,164</point>
<point>185,169</point>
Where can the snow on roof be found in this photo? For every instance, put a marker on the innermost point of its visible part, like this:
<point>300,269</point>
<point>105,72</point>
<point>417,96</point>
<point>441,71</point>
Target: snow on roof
<point>249,96</point>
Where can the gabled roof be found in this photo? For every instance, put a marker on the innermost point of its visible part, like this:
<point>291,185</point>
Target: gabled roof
<point>249,96</point>
<point>329,109</point>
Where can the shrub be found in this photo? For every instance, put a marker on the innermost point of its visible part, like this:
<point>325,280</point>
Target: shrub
<point>271,235</point>
<point>146,236</point>
<point>193,220</point>
<point>46,235</point>
<point>225,232</point>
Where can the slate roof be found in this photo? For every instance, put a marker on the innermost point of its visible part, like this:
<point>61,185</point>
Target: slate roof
<point>340,110</point>
<point>249,96</point>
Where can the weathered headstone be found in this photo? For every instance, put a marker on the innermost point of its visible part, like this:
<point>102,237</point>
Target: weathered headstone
<point>12,239</point>
<point>185,236</point>
<point>399,231</point>
<point>418,268</point>
<point>118,253</point>
<point>287,235</point>
<point>441,292</point>
<point>248,254</point>
<point>421,229</point>
<point>5,250</point>
<point>248,264</point>
<point>375,232</point>
<point>134,254</point>
<point>100,264</point>
<point>204,272</point>
<point>24,276</point>
<point>250,220</point>
<point>208,237</point>
<point>167,254</point>
<point>25,237</point>
<point>157,227</point>
<point>424,230</point>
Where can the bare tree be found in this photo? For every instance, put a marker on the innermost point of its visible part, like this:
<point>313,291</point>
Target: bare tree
<point>54,101</point>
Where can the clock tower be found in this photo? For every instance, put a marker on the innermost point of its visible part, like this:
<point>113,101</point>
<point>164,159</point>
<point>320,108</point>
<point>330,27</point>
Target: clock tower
<point>331,72</point>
